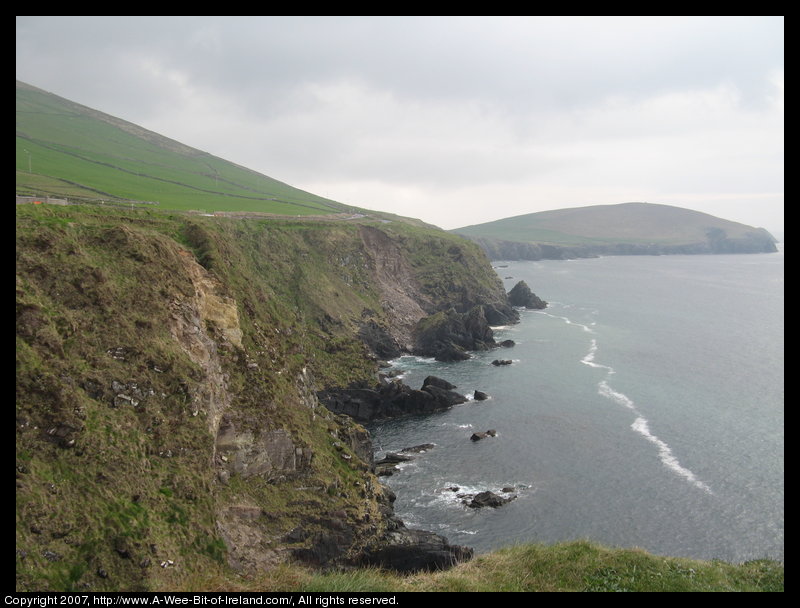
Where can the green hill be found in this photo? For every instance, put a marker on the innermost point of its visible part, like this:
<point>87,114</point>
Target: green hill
<point>627,228</point>
<point>67,150</point>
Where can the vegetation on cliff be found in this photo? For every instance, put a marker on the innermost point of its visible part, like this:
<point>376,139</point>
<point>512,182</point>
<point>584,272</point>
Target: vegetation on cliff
<point>167,369</point>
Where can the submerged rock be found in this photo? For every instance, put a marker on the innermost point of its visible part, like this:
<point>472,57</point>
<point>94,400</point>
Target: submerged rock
<point>418,449</point>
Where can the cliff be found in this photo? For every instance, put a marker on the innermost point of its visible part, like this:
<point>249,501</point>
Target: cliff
<point>168,428</point>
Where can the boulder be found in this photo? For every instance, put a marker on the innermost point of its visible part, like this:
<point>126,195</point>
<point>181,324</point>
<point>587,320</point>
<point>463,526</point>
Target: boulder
<point>480,396</point>
<point>488,499</point>
<point>438,382</point>
<point>444,398</point>
<point>478,436</point>
<point>507,343</point>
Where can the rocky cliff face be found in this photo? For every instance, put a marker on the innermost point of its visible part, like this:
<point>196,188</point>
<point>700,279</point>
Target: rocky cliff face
<point>168,425</point>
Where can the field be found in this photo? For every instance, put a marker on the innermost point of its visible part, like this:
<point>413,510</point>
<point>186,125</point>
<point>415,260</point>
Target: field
<point>67,150</point>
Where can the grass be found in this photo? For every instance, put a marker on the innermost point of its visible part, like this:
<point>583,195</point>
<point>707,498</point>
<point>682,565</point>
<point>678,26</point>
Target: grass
<point>578,566</point>
<point>64,149</point>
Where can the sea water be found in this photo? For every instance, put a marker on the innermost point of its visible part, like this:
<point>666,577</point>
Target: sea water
<point>643,408</point>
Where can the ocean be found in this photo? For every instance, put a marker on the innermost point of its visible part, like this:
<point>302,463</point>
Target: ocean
<point>643,408</point>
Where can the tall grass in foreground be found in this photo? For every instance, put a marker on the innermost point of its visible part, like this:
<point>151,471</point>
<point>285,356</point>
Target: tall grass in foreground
<point>573,566</point>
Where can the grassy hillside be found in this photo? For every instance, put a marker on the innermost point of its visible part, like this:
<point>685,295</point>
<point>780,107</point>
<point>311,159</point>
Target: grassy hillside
<point>166,369</point>
<point>599,225</point>
<point>64,149</point>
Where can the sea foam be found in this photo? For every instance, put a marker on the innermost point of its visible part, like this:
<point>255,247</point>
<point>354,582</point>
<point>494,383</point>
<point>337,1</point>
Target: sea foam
<point>640,425</point>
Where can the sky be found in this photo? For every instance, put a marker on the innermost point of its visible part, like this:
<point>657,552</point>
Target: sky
<point>453,120</point>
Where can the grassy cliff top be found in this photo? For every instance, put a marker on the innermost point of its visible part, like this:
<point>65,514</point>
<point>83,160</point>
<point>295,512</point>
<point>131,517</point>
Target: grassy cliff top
<point>571,566</point>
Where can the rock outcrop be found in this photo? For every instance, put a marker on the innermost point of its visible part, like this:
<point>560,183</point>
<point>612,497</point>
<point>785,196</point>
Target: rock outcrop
<point>487,499</point>
<point>483,435</point>
<point>521,295</point>
<point>448,335</point>
<point>408,551</point>
<point>391,399</point>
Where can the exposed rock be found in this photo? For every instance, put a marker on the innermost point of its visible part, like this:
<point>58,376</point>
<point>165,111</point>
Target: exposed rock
<point>480,396</point>
<point>254,452</point>
<point>500,314</point>
<point>379,340</point>
<point>502,362</point>
<point>478,436</point>
<point>389,400</point>
<point>447,335</point>
<point>451,352</point>
<point>487,499</point>
<point>393,458</point>
<point>424,447</point>
<point>408,551</point>
<point>507,343</point>
<point>438,382</point>
<point>521,295</point>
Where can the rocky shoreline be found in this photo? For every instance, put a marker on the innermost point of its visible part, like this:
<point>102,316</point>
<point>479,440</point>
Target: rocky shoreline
<point>448,335</point>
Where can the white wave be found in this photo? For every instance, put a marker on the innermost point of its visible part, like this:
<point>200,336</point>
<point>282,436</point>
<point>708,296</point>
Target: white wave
<point>589,358</point>
<point>568,321</point>
<point>406,359</point>
<point>609,393</point>
<point>640,425</point>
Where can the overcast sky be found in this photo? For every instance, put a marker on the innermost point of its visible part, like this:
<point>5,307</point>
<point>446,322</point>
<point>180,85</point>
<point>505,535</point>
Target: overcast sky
<point>454,120</point>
